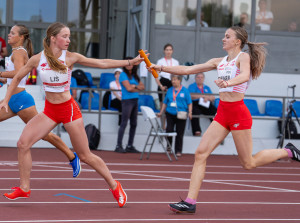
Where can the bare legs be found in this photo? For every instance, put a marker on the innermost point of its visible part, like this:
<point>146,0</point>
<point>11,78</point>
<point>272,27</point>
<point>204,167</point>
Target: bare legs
<point>80,144</point>
<point>243,142</point>
<point>27,114</point>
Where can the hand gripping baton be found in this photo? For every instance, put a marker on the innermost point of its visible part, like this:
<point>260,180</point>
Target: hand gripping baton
<point>147,61</point>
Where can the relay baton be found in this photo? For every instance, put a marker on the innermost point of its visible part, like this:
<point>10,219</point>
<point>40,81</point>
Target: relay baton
<point>147,61</point>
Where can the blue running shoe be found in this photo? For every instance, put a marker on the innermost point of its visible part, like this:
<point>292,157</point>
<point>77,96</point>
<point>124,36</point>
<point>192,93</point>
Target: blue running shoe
<point>76,166</point>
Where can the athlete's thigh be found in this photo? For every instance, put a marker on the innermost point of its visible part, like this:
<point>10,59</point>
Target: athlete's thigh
<point>27,113</point>
<point>77,135</point>
<point>37,128</point>
<point>212,137</point>
<point>6,115</point>
<point>243,143</point>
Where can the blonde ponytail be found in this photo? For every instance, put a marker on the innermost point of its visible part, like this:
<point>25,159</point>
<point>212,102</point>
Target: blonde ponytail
<point>53,62</point>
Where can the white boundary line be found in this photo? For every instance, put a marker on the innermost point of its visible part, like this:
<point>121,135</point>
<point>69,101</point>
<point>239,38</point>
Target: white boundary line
<point>160,220</point>
<point>146,202</point>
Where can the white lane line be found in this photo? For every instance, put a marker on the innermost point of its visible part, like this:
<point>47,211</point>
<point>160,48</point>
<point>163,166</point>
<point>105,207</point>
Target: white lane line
<point>149,164</point>
<point>142,179</point>
<point>164,190</point>
<point>147,202</point>
<point>158,219</point>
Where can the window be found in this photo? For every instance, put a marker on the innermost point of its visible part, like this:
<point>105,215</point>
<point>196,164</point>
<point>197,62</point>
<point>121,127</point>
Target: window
<point>284,15</point>
<point>175,12</point>
<point>84,14</point>
<point>226,13</point>
<point>2,11</point>
<point>34,11</point>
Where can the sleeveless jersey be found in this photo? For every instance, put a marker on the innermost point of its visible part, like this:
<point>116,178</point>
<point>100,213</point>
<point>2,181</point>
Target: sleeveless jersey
<point>9,66</point>
<point>229,70</point>
<point>54,81</point>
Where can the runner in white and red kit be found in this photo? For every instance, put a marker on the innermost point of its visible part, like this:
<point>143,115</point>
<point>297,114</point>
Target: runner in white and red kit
<point>234,74</point>
<point>54,65</point>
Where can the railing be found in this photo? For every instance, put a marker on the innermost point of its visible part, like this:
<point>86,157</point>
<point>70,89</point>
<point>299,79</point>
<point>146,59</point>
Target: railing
<point>101,112</point>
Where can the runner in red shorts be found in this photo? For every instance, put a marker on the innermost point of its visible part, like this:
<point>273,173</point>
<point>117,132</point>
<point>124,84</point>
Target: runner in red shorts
<point>235,72</point>
<point>54,65</point>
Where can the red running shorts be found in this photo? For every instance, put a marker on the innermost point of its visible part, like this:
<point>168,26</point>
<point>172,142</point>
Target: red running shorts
<point>233,115</point>
<point>63,113</point>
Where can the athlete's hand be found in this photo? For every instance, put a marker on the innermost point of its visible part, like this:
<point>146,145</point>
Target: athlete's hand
<point>155,67</point>
<point>221,83</point>
<point>4,105</point>
<point>138,59</point>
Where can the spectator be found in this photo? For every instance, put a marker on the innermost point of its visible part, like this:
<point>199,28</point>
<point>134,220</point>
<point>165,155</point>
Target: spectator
<point>202,22</point>
<point>177,102</point>
<point>264,18</point>
<point>116,96</point>
<point>292,26</point>
<point>165,78</point>
<point>3,52</point>
<point>244,18</point>
<point>131,85</point>
<point>202,104</point>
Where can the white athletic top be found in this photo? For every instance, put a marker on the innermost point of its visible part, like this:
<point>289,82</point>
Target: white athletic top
<point>9,66</point>
<point>229,70</point>
<point>165,62</point>
<point>54,81</point>
<point>113,85</point>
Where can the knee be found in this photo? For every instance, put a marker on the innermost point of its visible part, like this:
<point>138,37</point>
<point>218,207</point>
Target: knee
<point>23,145</point>
<point>84,157</point>
<point>50,137</point>
<point>200,155</point>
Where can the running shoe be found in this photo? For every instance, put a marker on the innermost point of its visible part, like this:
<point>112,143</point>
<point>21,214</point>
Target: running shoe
<point>18,193</point>
<point>183,207</point>
<point>119,194</point>
<point>75,163</point>
<point>294,150</point>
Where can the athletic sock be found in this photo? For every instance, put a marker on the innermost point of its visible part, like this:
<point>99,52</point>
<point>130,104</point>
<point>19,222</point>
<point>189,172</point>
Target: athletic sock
<point>190,200</point>
<point>290,154</point>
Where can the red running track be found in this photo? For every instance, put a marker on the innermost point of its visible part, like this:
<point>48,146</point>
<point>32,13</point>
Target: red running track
<point>228,194</point>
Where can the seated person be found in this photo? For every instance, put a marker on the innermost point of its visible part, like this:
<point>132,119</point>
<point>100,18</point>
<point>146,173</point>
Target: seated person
<point>202,22</point>
<point>202,104</point>
<point>116,96</point>
<point>264,18</point>
<point>244,18</point>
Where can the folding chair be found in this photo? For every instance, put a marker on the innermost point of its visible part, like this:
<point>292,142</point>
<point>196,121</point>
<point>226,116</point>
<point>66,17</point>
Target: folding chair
<point>157,132</point>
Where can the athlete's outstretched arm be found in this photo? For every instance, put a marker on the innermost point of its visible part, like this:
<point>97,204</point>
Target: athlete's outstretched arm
<point>186,70</point>
<point>100,63</point>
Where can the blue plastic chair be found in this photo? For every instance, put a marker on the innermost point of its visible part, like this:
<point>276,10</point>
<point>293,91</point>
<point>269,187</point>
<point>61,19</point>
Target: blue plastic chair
<point>296,106</point>
<point>73,84</point>
<point>253,107</point>
<point>217,101</point>
<point>273,108</point>
<point>90,79</point>
<point>147,100</point>
<point>84,100</point>
<point>105,79</point>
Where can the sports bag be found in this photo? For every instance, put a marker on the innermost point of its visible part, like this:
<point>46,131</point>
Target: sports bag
<point>93,135</point>
<point>80,77</point>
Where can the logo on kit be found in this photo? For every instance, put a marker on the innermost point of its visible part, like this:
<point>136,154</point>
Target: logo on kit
<point>236,125</point>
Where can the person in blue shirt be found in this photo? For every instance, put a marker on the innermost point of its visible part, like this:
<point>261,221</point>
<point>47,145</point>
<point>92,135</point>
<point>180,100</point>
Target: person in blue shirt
<point>177,101</point>
<point>131,85</point>
<point>202,104</point>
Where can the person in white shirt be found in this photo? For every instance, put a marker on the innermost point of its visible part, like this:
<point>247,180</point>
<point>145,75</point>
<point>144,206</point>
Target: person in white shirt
<point>116,96</point>
<point>164,81</point>
<point>264,18</point>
